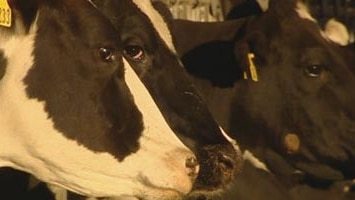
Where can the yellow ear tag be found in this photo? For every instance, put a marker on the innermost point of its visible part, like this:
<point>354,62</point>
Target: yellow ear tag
<point>252,68</point>
<point>245,75</point>
<point>5,13</point>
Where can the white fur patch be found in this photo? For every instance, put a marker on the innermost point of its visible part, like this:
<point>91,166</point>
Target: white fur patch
<point>337,32</point>
<point>231,140</point>
<point>303,12</point>
<point>254,161</point>
<point>157,20</point>
<point>29,141</point>
<point>333,31</point>
<point>264,4</point>
<point>59,193</point>
<point>92,3</point>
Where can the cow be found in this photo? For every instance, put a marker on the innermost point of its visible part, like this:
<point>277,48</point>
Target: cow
<point>102,107</point>
<point>284,89</point>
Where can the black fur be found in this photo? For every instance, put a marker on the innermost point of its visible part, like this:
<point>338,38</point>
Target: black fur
<point>85,96</point>
<point>286,99</point>
<point>179,103</point>
<point>3,64</point>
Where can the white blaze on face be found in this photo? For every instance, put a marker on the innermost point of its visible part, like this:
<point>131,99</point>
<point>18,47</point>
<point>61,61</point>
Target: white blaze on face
<point>29,141</point>
<point>247,155</point>
<point>264,4</point>
<point>161,27</point>
<point>231,140</point>
<point>303,11</point>
<point>157,20</point>
<point>156,130</point>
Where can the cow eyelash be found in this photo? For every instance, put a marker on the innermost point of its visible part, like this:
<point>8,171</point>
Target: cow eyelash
<point>314,71</point>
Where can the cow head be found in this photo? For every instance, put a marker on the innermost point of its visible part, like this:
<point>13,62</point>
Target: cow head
<point>93,104</point>
<point>301,105</point>
<point>288,88</point>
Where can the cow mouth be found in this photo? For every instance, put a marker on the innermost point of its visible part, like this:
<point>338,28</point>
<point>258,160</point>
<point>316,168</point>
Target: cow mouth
<point>324,160</point>
<point>219,167</point>
<point>152,191</point>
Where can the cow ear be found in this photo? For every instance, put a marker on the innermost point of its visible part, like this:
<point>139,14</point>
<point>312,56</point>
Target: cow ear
<point>337,32</point>
<point>23,14</point>
<point>207,49</point>
<point>213,61</point>
<point>191,34</point>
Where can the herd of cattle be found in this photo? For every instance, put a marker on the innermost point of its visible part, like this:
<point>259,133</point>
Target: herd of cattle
<point>115,99</point>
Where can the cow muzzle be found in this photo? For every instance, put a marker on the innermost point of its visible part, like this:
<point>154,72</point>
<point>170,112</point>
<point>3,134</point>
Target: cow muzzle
<point>219,165</point>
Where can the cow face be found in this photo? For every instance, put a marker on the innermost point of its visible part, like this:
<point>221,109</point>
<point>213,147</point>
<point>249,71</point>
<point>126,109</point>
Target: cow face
<point>302,103</point>
<point>280,85</point>
<point>94,108</point>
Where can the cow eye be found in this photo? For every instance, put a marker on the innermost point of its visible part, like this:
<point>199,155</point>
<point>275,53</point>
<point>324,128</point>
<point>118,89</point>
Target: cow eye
<point>314,71</point>
<point>106,54</point>
<point>134,52</point>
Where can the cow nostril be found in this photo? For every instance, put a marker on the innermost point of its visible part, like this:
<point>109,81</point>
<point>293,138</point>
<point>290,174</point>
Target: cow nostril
<point>226,164</point>
<point>191,164</point>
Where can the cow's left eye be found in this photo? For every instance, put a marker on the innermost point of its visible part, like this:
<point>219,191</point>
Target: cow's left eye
<point>134,52</point>
<point>314,71</point>
<point>106,54</point>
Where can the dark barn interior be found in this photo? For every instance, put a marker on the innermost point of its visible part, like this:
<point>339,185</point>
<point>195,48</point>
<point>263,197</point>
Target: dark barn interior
<point>282,177</point>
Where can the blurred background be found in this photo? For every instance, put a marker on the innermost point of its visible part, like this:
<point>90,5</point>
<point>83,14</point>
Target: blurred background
<point>216,10</point>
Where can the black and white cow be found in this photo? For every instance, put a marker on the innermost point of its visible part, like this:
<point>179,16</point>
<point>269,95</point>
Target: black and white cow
<point>99,106</point>
<point>284,89</point>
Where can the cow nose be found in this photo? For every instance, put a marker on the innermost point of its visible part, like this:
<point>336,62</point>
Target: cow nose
<point>192,165</point>
<point>218,166</point>
<point>226,164</point>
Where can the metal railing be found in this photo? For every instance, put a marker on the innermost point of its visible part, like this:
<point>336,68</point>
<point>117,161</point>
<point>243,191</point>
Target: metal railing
<point>212,10</point>
<point>196,10</point>
<point>343,10</point>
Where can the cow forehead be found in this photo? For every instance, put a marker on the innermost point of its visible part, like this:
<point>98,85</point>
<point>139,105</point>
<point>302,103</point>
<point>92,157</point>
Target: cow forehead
<point>30,92</point>
<point>146,8</point>
<point>56,92</point>
<point>303,12</point>
<point>334,31</point>
<point>157,20</point>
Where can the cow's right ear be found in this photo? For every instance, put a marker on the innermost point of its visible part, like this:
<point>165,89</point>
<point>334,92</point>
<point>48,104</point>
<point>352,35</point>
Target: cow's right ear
<point>23,14</point>
<point>337,32</point>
